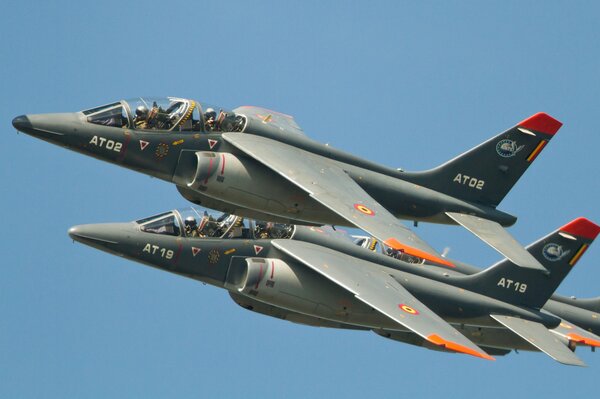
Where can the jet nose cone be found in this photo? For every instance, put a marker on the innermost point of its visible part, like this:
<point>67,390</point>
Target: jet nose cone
<point>22,123</point>
<point>105,233</point>
<point>75,232</point>
<point>109,237</point>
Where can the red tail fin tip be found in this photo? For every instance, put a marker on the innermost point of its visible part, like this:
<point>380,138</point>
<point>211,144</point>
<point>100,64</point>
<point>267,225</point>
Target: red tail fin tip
<point>582,227</point>
<point>541,122</point>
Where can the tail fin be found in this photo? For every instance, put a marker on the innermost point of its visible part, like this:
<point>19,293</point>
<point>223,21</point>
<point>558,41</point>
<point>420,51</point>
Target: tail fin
<point>486,173</point>
<point>558,252</point>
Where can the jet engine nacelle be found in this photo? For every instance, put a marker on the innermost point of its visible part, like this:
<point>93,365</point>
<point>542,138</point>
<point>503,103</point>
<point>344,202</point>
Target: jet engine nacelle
<point>269,310</point>
<point>291,286</point>
<point>248,184</point>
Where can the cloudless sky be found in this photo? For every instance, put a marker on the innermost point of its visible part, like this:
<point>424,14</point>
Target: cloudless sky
<point>405,84</point>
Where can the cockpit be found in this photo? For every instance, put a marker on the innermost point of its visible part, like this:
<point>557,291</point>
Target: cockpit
<point>166,114</point>
<point>372,244</point>
<point>197,222</point>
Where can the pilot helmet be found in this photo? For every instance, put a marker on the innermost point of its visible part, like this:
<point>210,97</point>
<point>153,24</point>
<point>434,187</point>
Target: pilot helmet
<point>190,221</point>
<point>210,113</point>
<point>141,111</point>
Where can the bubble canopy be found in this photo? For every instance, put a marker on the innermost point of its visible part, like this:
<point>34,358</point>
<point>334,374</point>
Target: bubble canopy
<point>199,222</point>
<point>203,223</point>
<point>165,114</point>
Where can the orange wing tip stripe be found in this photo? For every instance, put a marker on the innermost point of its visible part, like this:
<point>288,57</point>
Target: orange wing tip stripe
<point>536,151</point>
<point>583,340</point>
<point>436,339</point>
<point>582,227</point>
<point>397,245</point>
<point>578,255</point>
<point>541,122</point>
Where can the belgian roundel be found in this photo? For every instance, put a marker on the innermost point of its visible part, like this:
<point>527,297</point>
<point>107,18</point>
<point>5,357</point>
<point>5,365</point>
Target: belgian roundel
<point>363,209</point>
<point>408,309</point>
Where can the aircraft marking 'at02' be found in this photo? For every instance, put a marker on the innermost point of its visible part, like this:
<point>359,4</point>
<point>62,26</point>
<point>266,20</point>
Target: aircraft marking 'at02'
<point>277,173</point>
<point>103,142</point>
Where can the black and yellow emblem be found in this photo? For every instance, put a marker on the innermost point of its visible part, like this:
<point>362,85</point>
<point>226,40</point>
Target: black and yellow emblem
<point>162,149</point>
<point>213,256</point>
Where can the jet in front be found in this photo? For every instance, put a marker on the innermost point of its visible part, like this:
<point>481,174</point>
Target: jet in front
<point>322,277</point>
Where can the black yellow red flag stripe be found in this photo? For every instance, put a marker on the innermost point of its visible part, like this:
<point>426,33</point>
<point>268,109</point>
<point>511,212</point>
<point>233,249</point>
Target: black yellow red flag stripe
<point>536,151</point>
<point>578,254</point>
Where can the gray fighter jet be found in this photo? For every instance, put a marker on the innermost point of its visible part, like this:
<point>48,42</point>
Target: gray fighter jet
<point>319,276</point>
<point>258,163</point>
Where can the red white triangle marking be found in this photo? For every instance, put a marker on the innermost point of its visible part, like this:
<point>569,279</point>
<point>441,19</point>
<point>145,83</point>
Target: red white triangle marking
<point>257,249</point>
<point>143,144</point>
<point>195,251</point>
<point>212,143</point>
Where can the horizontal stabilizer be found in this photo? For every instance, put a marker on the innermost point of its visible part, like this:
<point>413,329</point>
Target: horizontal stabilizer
<point>496,236</point>
<point>540,337</point>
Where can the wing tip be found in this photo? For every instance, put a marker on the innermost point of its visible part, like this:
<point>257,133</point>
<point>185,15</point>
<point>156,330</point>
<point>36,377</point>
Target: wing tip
<point>583,340</point>
<point>541,122</point>
<point>582,227</point>
<point>436,339</point>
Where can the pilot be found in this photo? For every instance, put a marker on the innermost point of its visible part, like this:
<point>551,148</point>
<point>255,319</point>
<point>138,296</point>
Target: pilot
<point>191,229</point>
<point>394,253</point>
<point>263,230</point>
<point>141,117</point>
<point>208,227</point>
<point>144,118</point>
<point>210,120</point>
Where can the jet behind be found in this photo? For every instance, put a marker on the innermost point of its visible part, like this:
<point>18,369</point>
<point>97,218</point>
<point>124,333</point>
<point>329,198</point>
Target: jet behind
<point>258,163</point>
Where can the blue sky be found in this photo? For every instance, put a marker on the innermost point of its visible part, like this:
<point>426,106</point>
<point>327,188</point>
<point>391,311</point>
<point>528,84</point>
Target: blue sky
<point>405,84</point>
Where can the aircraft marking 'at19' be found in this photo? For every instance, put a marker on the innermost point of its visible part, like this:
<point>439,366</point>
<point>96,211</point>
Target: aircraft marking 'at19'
<point>508,284</point>
<point>332,279</point>
<point>157,250</point>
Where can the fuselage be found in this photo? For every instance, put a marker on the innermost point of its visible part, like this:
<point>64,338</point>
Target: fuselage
<point>210,260</point>
<point>289,290</point>
<point>239,184</point>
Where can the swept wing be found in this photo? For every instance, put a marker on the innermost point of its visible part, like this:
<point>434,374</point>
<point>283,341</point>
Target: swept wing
<point>373,286</point>
<point>331,186</point>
